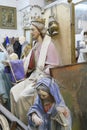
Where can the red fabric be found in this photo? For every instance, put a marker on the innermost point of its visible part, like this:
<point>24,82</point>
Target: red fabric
<point>47,107</point>
<point>32,61</point>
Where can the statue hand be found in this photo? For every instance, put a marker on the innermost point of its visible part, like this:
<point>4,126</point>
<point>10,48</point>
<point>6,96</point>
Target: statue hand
<point>37,120</point>
<point>64,110</point>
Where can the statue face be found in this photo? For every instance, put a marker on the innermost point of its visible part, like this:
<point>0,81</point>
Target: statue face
<point>43,94</point>
<point>35,33</point>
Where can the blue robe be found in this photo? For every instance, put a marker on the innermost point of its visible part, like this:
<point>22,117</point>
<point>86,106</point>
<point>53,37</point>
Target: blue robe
<point>48,123</point>
<point>5,84</point>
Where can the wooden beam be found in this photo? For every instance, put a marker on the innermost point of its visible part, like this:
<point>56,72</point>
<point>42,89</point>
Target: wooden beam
<point>13,119</point>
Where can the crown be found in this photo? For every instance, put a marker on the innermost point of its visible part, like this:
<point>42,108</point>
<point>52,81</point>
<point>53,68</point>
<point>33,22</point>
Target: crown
<point>37,19</point>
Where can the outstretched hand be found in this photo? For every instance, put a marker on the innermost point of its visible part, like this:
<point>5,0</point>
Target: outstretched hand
<point>37,120</point>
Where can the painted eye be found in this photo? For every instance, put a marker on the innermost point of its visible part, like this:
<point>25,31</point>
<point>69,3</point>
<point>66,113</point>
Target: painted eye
<point>43,95</point>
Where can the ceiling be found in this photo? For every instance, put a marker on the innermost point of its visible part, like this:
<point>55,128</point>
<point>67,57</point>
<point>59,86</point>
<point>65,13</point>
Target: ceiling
<point>79,1</point>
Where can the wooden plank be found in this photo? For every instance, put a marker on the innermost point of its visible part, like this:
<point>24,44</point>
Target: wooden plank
<point>65,40</point>
<point>12,119</point>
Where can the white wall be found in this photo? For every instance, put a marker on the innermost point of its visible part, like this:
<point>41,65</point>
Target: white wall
<point>8,3</point>
<point>19,4</point>
<point>8,32</point>
<point>37,2</point>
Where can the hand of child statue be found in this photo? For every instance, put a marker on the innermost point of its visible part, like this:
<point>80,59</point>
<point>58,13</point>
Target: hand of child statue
<point>36,119</point>
<point>64,110</point>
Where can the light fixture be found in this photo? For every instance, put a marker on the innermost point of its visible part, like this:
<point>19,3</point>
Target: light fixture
<point>53,26</point>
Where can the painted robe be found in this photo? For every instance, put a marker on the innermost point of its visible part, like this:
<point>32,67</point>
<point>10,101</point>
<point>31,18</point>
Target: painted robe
<point>48,123</point>
<point>23,94</point>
